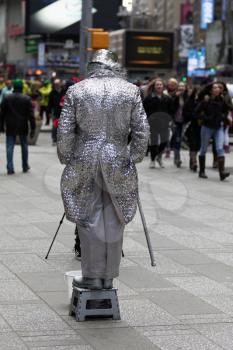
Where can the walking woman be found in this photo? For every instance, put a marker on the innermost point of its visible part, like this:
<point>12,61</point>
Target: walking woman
<point>212,112</point>
<point>181,97</point>
<point>159,108</point>
<point>193,130</point>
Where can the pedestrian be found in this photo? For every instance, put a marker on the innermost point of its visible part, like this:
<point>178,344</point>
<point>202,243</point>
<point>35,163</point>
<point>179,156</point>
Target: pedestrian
<point>159,108</point>
<point>99,183</point>
<point>193,130</point>
<point>171,90</point>
<point>212,112</point>
<point>228,100</point>
<point>16,113</point>
<point>8,89</point>
<point>178,123</point>
<point>45,91</point>
<point>54,107</point>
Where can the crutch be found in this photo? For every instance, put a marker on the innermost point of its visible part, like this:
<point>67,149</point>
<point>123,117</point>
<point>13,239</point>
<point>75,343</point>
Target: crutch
<point>55,236</point>
<point>146,234</point>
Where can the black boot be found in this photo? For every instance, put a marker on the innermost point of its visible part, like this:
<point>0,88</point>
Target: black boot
<point>177,160</point>
<point>193,161</point>
<point>202,173</point>
<point>221,168</point>
<point>215,162</point>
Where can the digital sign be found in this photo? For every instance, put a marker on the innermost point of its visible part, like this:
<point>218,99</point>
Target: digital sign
<point>148,49</point>
<point>62,17</point>
<point>207,13</point>
<point>196,60</point>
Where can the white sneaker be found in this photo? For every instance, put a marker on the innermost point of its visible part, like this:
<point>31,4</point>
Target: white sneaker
<point>152,164</point>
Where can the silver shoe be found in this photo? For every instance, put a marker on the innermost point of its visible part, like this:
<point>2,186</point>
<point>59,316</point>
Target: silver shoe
<point>88,283</point>
<point>108,283</point>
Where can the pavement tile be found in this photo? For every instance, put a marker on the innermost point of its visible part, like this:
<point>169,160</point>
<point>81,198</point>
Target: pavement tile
<point>200,285</point>
<point>68,347</point>
<point>64,263</point>
<point>99,323</point>
<point>221,334</point>
<point>31,317</point>
<point>53,340</point>
<point>115,339</point>
<point>52,281</point>
<point>184,342</point>
<point>138,277</point>
<point>205,319</point>
<point>58,301</point>
<point>143,312</point>
<point>164,265</point>
<point>25,263</point>
<point>5,274</point>
<point>24,231</point>
<point>218,272</point>
<point>10,341</point>
<point>4,327</point>
<point>179,302</point>
<point>41,246</point>
<point>225,257</point>
<point>14,290</point>
<point>188,257</point>
<point>9,244</point>
<point>223,303</point>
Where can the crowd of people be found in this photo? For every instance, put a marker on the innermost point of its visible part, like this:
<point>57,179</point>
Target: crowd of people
<point>177,112</point>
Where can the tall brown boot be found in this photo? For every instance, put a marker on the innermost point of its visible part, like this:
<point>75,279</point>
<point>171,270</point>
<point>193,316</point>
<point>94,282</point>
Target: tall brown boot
<point>221,167</point>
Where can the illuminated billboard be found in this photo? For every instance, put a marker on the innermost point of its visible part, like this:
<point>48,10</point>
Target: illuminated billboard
<point>148,49</point>
<point>62,17</point>
<point>196,60</point>
<point>207,13</point>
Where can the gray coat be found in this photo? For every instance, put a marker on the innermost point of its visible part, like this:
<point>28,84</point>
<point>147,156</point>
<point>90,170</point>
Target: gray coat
<point>95,122</point>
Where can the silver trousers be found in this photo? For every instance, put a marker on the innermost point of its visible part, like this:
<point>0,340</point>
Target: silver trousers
<point>102,237</point>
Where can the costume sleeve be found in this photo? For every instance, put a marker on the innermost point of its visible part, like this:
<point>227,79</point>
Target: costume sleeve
<point>66,129</point>
<point>139,131</point>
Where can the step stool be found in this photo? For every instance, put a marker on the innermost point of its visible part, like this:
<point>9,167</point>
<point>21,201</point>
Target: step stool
<point>98,303</point>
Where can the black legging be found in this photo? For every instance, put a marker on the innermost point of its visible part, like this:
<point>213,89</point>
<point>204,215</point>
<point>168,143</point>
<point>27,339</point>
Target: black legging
<point>156,150</point>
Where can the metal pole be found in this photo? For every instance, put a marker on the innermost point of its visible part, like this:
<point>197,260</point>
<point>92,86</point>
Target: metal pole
<point>55,236</point>
<point>86,22</point>
<point>146,234</point>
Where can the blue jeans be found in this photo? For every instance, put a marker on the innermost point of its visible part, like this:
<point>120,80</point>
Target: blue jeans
<point>217,134</point>
<point>177,136</point>
<point>10,144</point>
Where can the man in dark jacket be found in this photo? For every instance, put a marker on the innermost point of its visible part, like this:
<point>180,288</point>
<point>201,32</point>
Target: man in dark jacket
<point>16,113</point>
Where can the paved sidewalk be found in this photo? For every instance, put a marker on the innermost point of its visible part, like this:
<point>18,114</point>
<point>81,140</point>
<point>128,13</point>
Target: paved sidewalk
<point>185,303</point>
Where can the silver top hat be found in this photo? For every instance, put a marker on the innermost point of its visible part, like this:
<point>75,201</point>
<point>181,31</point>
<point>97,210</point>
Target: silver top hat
<point>106,57</point>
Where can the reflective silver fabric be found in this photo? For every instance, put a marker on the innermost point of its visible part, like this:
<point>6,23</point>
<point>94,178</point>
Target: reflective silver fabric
<point>97,117</point>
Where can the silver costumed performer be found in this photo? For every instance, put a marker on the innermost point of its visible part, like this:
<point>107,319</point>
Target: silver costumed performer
<point>99,184</point>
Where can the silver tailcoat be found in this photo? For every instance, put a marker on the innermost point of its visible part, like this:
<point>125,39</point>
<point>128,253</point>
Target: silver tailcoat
<point>98,114</point>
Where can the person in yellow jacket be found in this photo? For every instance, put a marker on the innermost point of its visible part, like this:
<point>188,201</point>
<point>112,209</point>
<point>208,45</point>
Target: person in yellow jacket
<point>2,83</point>
<point>44,99</point>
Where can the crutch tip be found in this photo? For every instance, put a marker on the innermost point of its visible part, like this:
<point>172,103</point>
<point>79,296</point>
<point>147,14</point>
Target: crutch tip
<point>153,264</point>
